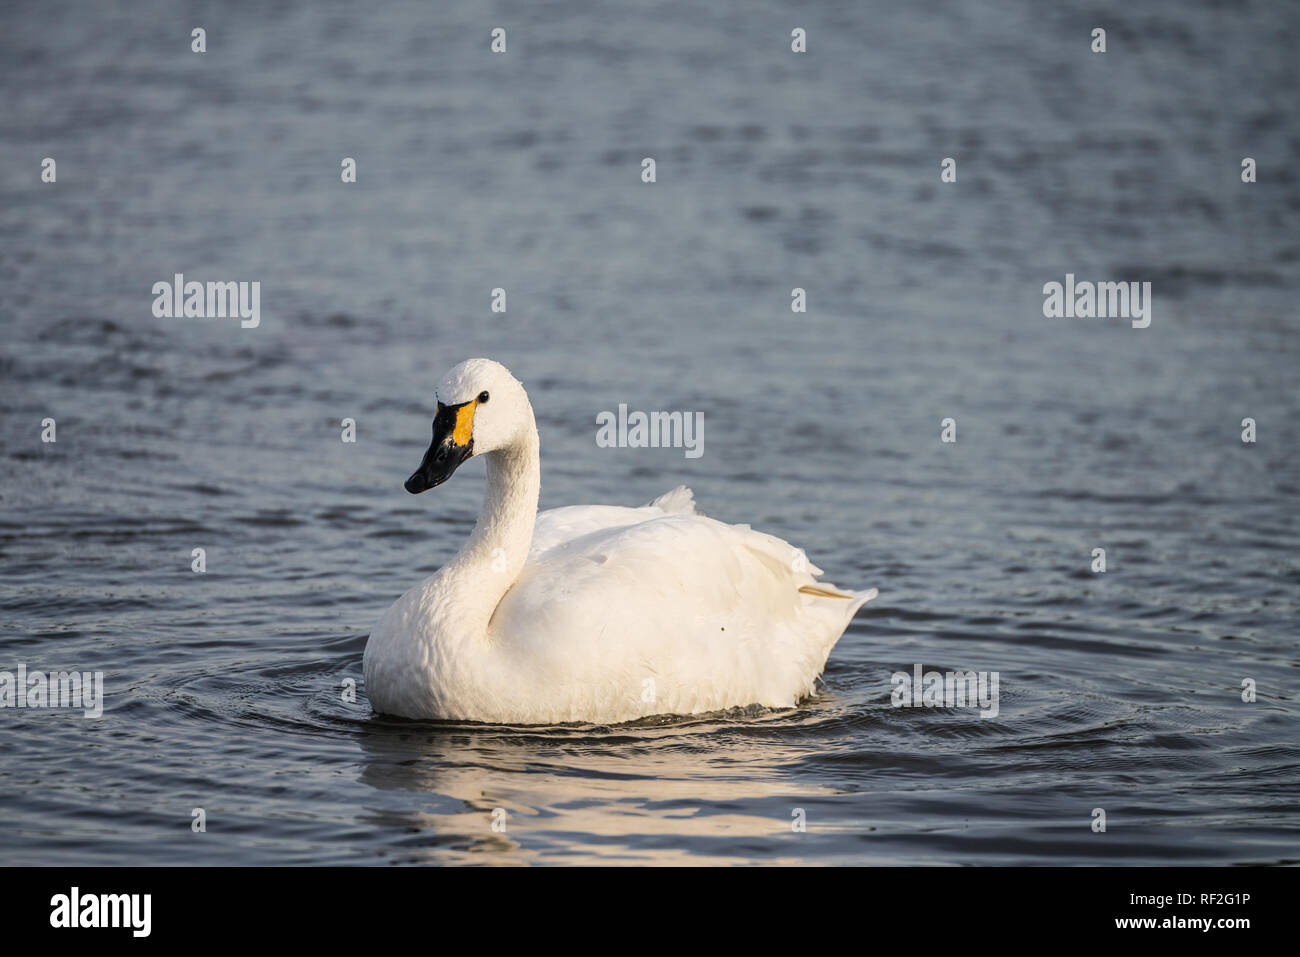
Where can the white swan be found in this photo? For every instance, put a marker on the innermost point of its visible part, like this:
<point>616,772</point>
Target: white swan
<point>592,613</point>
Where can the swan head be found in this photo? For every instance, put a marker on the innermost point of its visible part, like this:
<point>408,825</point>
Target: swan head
<point>482,408</point>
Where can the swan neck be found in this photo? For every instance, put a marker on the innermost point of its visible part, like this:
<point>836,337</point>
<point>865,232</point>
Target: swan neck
<point>510,502</point>
<point>494,555</point>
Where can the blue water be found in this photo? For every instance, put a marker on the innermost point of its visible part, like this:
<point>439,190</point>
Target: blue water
<point>225,691</point>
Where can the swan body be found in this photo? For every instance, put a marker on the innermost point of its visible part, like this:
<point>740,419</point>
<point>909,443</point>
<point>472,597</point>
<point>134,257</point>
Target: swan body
<point>593,613</point>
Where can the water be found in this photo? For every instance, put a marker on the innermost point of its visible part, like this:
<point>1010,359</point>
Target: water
<point>1120,691</point>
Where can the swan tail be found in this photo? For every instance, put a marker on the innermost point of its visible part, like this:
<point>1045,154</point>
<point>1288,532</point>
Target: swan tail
<point>827,590</point>
<point>845,603</point>
<point>680,501</point>
<point>860,598</point>
<point>822,591</point>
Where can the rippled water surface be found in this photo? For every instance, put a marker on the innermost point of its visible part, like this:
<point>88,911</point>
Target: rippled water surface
<point>1119,691</point>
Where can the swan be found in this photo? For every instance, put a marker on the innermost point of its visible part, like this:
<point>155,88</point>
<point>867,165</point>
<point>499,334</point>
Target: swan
<point>591,614</point>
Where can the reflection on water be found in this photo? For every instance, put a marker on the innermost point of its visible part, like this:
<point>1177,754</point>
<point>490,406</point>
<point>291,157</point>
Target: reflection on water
<point>617,795</point>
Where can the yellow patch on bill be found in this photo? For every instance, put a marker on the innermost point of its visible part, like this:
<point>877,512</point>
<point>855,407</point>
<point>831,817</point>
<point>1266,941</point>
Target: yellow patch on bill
<point>464,430</point>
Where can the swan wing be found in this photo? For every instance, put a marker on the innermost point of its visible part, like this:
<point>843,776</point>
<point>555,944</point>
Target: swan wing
<point>699,614</point>
<point>559,525</point>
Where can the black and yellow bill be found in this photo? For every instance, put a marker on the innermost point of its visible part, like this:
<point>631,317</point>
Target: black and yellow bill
<point>453,443</point>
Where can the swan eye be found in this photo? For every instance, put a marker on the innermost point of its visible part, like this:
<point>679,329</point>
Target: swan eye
<point>482,397</point>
